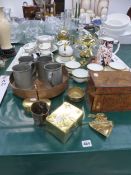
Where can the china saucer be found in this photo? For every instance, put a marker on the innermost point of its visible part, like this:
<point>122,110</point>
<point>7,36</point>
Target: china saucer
<point>95,67</point>
<point>62,42</point>
<point>117,65</point>
<point>59,59</point>
<point>80,75</point>
<point>71,65</point>
<point>29,46</point>
<point>53,49</point>
<point>45,53</point>
<point>44,46</point>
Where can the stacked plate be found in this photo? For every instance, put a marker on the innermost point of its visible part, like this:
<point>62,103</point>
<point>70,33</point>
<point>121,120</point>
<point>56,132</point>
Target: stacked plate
<point>116,24</point>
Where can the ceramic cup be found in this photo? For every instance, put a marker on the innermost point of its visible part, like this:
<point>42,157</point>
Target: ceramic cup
<point>29,47</point>
<point>45,44</point>
<point>53,73</point>
<point>105,50</point>
<point>41,61</point>
<point>39,111</point>
<point>23,75</point>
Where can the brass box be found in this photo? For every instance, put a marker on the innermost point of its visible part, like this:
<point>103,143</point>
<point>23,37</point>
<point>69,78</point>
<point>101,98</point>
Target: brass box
<point>63,121</point>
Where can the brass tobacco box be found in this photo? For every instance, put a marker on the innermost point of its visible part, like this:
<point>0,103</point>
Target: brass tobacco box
<point>63,121</point>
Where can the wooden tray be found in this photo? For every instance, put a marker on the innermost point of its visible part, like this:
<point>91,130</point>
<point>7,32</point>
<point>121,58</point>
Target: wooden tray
<point>44,91</point>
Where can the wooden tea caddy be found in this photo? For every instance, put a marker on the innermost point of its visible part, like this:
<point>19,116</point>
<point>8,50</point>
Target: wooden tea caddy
<point>109,91</point>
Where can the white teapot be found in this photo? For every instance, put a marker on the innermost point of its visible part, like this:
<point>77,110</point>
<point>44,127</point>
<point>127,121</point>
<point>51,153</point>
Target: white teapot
<point>65,50</point>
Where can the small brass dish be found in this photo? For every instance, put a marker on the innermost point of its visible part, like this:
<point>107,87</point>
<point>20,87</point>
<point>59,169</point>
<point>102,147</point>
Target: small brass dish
<point>29,101</point>
<point>75,94</point>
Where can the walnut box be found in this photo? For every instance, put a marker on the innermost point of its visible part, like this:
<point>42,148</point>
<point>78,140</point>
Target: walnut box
<point>109,91</point>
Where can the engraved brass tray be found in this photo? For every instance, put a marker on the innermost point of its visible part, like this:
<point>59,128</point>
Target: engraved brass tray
<point>43,90</point>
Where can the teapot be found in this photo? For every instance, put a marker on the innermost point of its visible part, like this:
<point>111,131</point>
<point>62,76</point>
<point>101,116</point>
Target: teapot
<point>65,50</point>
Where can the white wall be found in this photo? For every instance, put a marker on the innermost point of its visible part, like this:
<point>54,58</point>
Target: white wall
<point>120,6</point>
<point>68,4</point>
<point>16,6</point>
<point>115,6</point>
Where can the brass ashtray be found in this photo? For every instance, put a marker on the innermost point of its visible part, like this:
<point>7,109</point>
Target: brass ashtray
<point>29,101</point>
<point>75,94</point>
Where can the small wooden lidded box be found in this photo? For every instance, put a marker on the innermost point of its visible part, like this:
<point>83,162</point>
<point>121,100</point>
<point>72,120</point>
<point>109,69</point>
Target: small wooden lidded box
<point>63,121</point>
<point>109,91</point>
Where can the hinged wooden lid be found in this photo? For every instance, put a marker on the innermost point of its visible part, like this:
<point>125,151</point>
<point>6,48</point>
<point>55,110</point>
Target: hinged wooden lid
<point>111,78</point>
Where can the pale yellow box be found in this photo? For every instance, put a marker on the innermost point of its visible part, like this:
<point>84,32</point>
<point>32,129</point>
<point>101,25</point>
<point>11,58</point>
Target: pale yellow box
<point>64,120</point>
